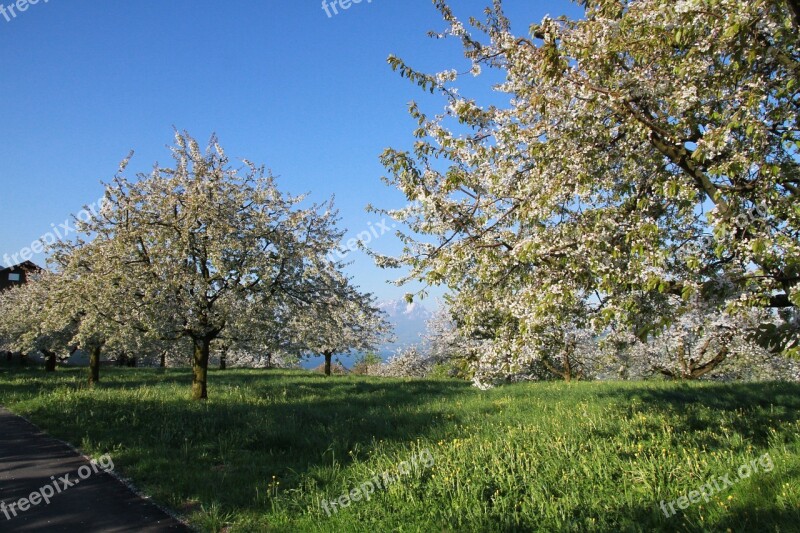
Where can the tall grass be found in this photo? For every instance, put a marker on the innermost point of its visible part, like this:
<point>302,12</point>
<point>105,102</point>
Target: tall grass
<point>270,446</point>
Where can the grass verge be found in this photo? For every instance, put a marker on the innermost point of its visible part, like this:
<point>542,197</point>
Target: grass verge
<point>270,446</point>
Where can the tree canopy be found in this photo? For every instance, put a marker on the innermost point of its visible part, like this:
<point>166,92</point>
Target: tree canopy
<point>646,150</point>
<point>200,249</point>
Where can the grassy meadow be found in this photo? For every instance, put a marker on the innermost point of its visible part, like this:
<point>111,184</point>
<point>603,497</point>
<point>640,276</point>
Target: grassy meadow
<point>269,446</point>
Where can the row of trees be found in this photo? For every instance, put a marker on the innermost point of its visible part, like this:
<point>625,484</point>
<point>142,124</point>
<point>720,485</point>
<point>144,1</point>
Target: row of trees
<point>195,255</point>
<point>640,181</point>
<point>699,344</point>
<point>643,169</point>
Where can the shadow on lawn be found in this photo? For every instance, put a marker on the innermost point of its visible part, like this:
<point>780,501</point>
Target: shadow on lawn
<point>752,410</point>
<point>720,396</point>
<point>256,425</point>
<point>741,517</point>
<point>759,406</point>
<point>304,428</point>
<point>735,520</point>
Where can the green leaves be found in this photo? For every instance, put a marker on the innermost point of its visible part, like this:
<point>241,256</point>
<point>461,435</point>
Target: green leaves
<point>629,136</point>
<point>732,31</point>
<point>204,250</point>
<point>759,246</point>
<point>427,83</point>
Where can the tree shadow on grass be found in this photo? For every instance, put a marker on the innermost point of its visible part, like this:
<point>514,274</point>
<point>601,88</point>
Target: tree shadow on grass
<point>753,411</point>
<point>306,429</point>
<point>759,407</point>
<point>742,517</point>
<point>302,428</point>
<point>643,518</point>
<point>773,517</point>
<point>720,396</point>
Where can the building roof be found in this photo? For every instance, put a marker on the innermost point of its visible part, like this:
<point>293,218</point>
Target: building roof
<point>28,266</point>
<point>17,274</point>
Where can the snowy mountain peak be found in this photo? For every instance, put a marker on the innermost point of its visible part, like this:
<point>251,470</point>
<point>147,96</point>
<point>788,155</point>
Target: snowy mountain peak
<point>409,320</point>
<point>409,311</point>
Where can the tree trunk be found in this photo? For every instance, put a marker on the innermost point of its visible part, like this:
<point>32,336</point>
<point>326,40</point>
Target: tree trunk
<point>566,376</point>
<point>700,370</point>
<point>328,356</point>
<point>223,358</point>
<point>794,11</point>
<point>202,347</point>
<point>694,369</point>
<point>163,362</point>
<point>94,363</point>
<point>49,361</point>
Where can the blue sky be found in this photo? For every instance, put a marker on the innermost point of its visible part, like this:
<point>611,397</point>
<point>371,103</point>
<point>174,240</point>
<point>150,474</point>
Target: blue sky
<point>310,96</point>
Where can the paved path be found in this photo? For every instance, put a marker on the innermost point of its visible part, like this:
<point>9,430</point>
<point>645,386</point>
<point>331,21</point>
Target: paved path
<point>31,461</point>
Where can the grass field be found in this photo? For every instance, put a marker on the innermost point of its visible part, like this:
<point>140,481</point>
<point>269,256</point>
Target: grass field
<point>269,446</point>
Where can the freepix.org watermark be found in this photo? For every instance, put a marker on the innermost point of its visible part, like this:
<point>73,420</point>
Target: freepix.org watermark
<point>56,486</point>
<point>58,233</point>
<point>718,484</point>
<point>365,490</point>
<point>372,233</point>
<point>331,7</point>
<point>10,11</point>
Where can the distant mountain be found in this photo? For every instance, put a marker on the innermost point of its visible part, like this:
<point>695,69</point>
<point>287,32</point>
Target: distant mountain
<point>408,319</point>
<point>409,323</point>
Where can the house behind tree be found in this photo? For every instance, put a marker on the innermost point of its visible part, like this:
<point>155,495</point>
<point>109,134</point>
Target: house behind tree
<point>17,274</point>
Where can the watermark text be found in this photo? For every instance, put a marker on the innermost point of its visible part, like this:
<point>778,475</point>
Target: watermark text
<point>10,11</point>
<point>717,484</point>
<point>57,485</point>
<point>365,490</point>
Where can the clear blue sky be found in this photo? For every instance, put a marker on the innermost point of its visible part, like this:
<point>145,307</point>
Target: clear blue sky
<point>280,82</point>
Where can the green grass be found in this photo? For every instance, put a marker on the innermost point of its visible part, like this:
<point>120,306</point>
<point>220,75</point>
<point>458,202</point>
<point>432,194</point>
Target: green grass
<point>268,446</point>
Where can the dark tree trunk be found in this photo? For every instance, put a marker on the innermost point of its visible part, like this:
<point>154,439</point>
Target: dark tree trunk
<point>565,374</point>
<point>163,362</point>
<point>223,358</point>
<point>202,347</point>
<point>49,361</point>
<point>693,368</point>
<point>328,356</point>
<point>794,11</point>
<point>94,363</point>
